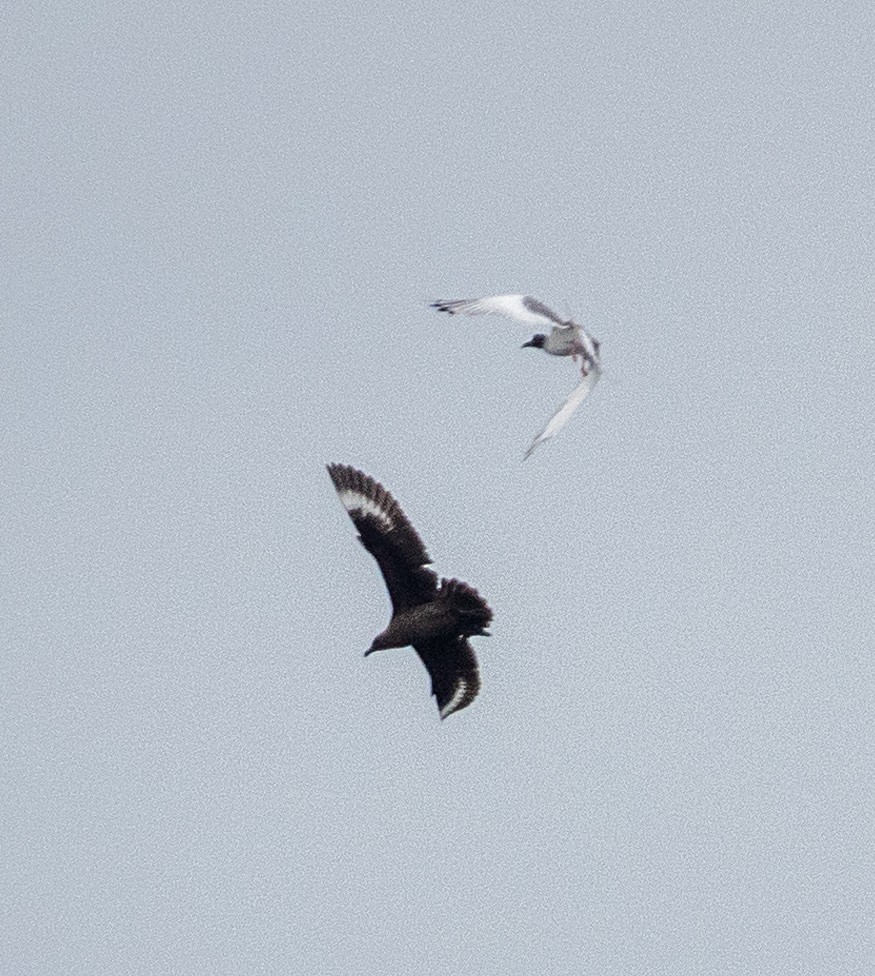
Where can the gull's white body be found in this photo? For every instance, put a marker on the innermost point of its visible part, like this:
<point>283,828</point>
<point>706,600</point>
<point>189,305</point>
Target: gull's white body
<point>565,338</point>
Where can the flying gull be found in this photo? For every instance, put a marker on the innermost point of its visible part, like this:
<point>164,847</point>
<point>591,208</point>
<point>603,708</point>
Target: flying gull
<point>436,618</point>
<point>566,338</point>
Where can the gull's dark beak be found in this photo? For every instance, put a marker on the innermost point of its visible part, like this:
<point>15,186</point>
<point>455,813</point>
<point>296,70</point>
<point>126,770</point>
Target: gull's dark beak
<point>525,344</point>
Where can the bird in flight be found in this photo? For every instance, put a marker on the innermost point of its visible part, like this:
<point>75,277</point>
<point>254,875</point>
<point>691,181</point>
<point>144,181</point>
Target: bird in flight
<point>565,338</point>
<point>435,617</point>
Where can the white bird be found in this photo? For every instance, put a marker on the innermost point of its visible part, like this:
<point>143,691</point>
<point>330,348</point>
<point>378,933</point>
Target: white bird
<point>566,338</point>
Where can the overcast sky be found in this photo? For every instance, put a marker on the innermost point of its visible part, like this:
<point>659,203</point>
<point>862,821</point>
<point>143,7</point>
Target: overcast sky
<point>221,225</point>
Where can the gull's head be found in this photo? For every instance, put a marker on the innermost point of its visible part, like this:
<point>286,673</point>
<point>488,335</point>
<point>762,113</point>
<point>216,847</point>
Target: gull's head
<point>536,342</point>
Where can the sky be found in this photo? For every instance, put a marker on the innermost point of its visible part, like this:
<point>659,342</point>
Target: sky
<point>221,228</point>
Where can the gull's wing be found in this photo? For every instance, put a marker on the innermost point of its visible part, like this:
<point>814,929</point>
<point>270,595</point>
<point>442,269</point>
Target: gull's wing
<point>522,308</point>
<point>386,532</point>
<point>455,677</point>
<point>563,414</point>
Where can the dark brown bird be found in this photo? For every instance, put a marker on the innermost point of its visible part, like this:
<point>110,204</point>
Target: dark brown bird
<point>436,619</point>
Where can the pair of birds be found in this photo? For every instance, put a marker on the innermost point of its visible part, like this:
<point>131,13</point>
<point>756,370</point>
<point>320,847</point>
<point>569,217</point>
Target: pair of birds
<point>437,617</point>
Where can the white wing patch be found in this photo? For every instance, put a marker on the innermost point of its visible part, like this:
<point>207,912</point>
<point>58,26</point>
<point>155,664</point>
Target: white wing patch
<point>510,306</point>
<point>355,501</point>
<point>458,695</point>
<point>563,414</point>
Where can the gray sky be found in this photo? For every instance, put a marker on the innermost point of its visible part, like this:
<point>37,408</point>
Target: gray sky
<point>221,225</point>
